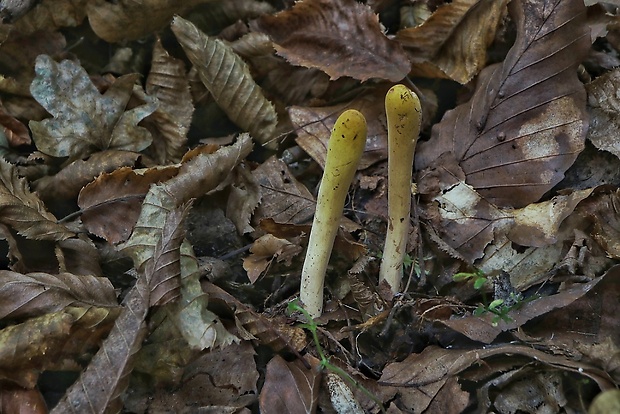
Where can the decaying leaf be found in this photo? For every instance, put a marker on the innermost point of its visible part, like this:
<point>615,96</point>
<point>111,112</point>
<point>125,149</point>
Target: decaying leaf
<point>38,293</point>
<point>200,327</point>
<point>526,122</point>
<point>70,180</point>
<point>243,199</point>
<point>199,173</point>
<point>604,211</point>
<point>24,211</point>
<point>167,81</point>
<point>111,203</point>
<point>351,31</point>
<point>420,377</point>
<point>314,127</point>
<point>130,20</point>
<point>99,387</point>
<point>283,198</point>
<point>272,332</point>
<point>163,270</point>
<point>14,399</point>
<point>78,256</point>
<point>228,79</point>
<point>84,120</point>
<point>604,107</point>
<point>227,376</point>
<point>51,15</point>
<point>482,328</point>
<point>16,132</point>
<point>265,250</point>
<point>453,41</point>
<point>45,341</point>
<point>344,244</point>
<point>470,224</point>
<point>290,387</point>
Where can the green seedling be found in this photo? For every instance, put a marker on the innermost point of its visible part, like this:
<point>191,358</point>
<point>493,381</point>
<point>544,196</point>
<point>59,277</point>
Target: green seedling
<point>324,363</point>
<point>404,113</point>
<point>477,276</point>
<point>344,150</point>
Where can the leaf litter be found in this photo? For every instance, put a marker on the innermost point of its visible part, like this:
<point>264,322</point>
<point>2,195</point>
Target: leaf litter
<point>159,177</point>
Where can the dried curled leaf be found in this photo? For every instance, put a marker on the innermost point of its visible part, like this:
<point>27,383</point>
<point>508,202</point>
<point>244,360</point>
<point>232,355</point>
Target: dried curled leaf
<point>46,341</point>
<point>604,106</point>
<point>526,122</point>
<point>37,293</point>
<point>84,120</point>
<point>290,387</point>
<point>99,387</point>
<point>453,41</point>
<point>163,269</point>
<point>112,202</point>
<point>106,377</point>
<point>198,174</point>
<point>68,182</point>
<point>24,211</point>
<point>130,20</point>
<point>168,82</point>
<point>264,251</point>
<point>340,37</point>
<point>272,332</point>
<point>243,199</point>
<point>200,327</point>
<point>228,79</point>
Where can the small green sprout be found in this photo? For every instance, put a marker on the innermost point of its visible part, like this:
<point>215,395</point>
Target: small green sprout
<point>477,276</point>
<point>324,363</point>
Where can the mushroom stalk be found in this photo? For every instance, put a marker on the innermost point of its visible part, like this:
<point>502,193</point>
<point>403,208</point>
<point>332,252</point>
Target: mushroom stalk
<point>403,111</point>
<point>344,150</point>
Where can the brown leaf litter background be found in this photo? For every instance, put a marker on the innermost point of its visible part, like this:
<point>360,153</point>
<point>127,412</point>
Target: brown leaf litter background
<point>160,162</point>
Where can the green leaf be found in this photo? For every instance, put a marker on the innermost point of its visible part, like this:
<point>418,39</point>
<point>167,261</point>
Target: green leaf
<point>495,304</point>
<point>459,277</point>
<point>479,282</point>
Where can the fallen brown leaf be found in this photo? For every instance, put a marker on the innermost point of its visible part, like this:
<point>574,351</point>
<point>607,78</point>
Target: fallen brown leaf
<point>351,31</point>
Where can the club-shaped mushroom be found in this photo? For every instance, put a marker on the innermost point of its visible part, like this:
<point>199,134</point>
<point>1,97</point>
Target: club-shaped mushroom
<point>344,150</point>
<point>403,111</point>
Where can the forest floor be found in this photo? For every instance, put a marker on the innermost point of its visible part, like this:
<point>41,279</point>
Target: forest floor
<point>159,174</point>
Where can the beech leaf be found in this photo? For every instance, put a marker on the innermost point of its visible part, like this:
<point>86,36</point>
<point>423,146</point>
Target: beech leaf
<point>46,341</point>
<point>167,81</point>
<point>340,37</point>
<point>200,327</point>
<point>68,182</point>
<point>163,270</point>
<point>283,198</point>
<point>98,388</point>
<point>197,175</point>
<point>228,79</point>
<point>37,293</point>
<point>453,41</point>
<point>112,202</point>
<point>290,387</point>
<point>24,211</point>
<point>84,120</point>
<point>604,107</point>
<point>130,20</point>
<point>526,122</point>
